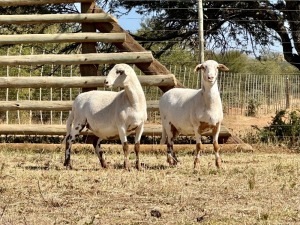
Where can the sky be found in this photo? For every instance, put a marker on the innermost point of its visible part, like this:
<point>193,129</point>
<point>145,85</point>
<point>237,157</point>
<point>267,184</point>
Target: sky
<point>131,21</point>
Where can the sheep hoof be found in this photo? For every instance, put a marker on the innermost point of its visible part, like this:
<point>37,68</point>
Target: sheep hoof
<point>68,165</point>
<point>103,164</point>
<point>172,160</point>
<point>126,165</point>
<point>196,164</point>
<point>138,166</point>
<point>218,163</point>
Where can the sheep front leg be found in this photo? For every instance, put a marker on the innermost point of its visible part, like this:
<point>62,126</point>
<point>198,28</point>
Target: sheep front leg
<point>215,131</point>
<point>99,152</point>
<point>199,147</point>
<point>126,155</point>
<point>123,138</point>
<point>138,134</point>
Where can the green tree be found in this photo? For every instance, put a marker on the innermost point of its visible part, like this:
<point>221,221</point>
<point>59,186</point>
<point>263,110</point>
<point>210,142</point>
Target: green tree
<point>226,23</point>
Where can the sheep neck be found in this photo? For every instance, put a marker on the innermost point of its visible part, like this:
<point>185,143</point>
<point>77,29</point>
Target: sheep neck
<point>135,94</point>
<point>211,94</point>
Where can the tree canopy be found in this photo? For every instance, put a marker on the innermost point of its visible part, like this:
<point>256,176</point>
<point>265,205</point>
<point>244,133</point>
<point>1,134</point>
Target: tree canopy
<point>227,24</point>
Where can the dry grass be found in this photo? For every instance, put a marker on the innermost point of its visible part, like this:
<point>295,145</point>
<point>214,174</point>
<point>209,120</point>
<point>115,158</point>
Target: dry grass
<point>252,188</point>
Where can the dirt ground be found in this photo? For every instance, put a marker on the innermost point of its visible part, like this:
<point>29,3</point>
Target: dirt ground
<point>251,188</point>
<point>254,187</point>
<point>239,125</point>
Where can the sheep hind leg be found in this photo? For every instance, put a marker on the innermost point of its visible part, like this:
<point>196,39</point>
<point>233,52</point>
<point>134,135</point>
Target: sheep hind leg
<point>70,139</point>
<point>100,153</point>
<point>171,134</point>
<point>67,163</point>
<point>171,156</point>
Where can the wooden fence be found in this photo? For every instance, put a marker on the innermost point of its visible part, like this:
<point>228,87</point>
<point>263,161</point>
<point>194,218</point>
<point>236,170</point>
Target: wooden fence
<point>93,20</point>
<point>47,127</point>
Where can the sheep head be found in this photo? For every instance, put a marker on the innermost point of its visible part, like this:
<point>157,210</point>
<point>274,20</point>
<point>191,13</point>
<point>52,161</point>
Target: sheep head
<point>210,70</point>
<point>118,75</point>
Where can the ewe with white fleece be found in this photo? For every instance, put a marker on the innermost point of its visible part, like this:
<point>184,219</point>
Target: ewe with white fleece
<point>187,111</point>
<point>110,114</point>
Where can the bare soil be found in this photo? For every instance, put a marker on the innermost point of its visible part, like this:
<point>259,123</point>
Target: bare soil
<point>239,125</point>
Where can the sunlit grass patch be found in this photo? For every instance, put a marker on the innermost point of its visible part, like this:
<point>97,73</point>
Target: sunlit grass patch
<point>250,188</point>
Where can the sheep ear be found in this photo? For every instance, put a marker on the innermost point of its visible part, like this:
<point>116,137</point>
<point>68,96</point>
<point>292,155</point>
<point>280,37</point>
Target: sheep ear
<point>120,72</point>
<point>222,67</point>
<point>198,67</point>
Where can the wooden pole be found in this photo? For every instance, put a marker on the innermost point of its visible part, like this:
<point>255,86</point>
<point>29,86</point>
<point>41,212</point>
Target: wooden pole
<point>87,47</point>
<point>287,93</point>
<point>37,2</point>
<point>71,59</point>
<point>201,37</point>
<point>79,82</point>
<point>61,38</point>
<point>201,31</point>
<point>56,18</point>
<point>146,148</point>
<point>45,129</point>
<point>152,105</point>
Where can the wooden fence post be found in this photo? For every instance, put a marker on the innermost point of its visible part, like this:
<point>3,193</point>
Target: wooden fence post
<point>88,70</point>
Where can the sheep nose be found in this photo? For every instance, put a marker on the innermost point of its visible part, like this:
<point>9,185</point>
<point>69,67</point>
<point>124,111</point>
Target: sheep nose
<point>106,82</point>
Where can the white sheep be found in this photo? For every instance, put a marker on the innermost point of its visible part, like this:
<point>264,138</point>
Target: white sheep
<point>110,114</point>
<point>186,111</point>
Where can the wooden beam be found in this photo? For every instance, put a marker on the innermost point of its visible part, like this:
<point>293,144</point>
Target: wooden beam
<point>36,105</point>
<point>60,38</point>
<point>145,148</point>
<point>51,105</point>
<point>39,129</point>
<point>131,45</point>
<point>92,58</point>
<point>88,47</point>
<point>85,82</point>
<point>38,2</point>
<point>56,18</point>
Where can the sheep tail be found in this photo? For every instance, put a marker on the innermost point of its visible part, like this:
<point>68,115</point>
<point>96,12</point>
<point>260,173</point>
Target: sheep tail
<point>69,125</point>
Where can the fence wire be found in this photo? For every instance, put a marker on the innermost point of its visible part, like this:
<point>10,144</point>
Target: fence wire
<point>242,94</point>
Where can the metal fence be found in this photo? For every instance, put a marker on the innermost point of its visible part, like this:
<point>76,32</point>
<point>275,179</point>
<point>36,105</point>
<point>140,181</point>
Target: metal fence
<point>255,94</point>
<point>251,94</point>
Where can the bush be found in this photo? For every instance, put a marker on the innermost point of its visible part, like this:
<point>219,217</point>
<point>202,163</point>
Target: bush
<point>252,107</point>
<point>285,126</point>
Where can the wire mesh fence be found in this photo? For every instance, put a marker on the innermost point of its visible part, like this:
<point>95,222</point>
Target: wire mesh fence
<point>242,94</point>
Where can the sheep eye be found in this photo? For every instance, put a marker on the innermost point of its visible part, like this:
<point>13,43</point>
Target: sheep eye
<point>120,72</point>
